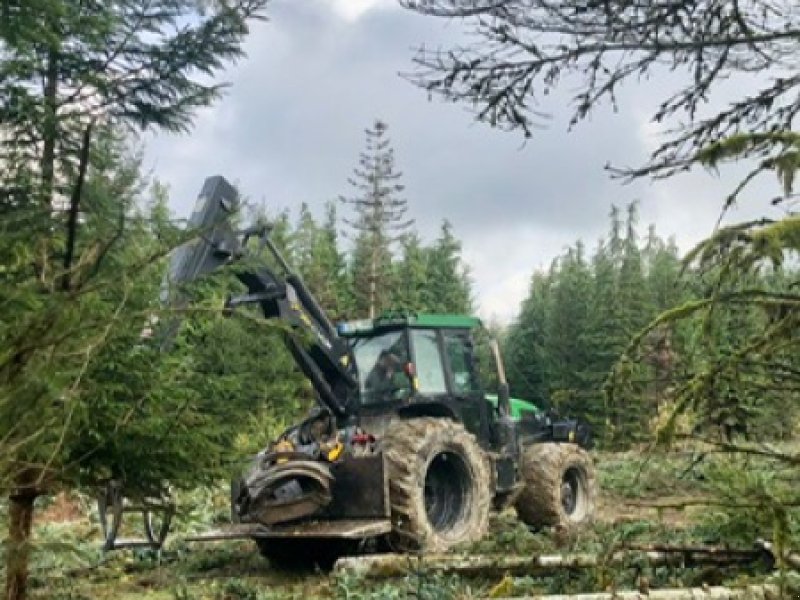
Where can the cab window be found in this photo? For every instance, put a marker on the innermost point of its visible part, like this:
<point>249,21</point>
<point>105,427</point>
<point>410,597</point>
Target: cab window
<point>428,362</point>
<point>381,362</point>
<point>459,354</point>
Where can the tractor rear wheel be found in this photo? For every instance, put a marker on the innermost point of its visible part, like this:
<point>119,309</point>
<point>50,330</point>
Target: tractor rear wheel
<point>560,487</point>
<point>439,485</point>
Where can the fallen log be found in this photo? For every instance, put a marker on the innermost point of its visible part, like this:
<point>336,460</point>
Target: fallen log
<point>660,547</point>
<point>382,566</point>
<point>751,592</point>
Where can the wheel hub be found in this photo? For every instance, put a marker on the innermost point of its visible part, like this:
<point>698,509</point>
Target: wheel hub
<point>570,491</point>
<point>446,490</point>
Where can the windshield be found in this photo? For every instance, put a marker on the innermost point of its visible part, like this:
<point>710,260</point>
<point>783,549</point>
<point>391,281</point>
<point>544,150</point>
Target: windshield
<point>381,362</point>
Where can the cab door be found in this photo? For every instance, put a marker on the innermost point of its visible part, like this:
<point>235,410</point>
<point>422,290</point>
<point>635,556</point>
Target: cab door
<point>463,382</point>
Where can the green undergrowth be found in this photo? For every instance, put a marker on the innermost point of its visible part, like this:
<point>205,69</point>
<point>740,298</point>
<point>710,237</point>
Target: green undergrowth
<point>651,474</point>
<point>67,563</point>
<point>513,539</point>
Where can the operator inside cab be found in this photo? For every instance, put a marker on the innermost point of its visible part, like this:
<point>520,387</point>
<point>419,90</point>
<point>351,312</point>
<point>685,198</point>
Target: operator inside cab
<point>387,380</point>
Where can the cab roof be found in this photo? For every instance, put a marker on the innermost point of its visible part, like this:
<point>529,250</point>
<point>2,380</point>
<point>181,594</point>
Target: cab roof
<point>393,321</point>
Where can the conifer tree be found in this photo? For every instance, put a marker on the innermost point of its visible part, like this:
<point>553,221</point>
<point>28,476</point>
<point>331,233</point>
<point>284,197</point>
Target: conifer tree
<point>73,76</point>
<point>411,276</point>
<point>525,346</point>
<point>379,220</point>
<point>566,329</point>
<point>627,413</point>
<point>448,287</point>
<point>316,255</point>
<point>578,320</point>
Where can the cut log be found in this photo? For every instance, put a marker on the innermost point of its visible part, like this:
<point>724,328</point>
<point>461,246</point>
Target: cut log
<point>380,566</point>
<point>751,592</point>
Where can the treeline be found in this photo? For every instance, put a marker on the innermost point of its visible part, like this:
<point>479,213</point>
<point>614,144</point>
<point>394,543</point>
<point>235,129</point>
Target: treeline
<point>417,276</point>
<point>580,317</point>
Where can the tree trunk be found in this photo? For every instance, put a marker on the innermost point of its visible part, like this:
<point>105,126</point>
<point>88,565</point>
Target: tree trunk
<point>50,132</point>
<point>20,519</point>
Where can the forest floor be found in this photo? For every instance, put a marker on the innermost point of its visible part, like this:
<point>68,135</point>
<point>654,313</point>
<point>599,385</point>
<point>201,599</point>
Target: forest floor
<point>69,565</point>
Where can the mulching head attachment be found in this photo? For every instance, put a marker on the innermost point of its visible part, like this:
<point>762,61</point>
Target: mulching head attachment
<point>283,487</point>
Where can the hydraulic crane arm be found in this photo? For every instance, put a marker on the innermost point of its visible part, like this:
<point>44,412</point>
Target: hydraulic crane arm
<point>323,357</point>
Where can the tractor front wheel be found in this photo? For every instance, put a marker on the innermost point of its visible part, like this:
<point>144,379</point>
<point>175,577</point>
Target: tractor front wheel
<point>439,485</point>
<point>559,486</point>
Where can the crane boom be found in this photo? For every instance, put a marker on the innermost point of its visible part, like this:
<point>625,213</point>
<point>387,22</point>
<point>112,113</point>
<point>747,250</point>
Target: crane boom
<point>322,356</point>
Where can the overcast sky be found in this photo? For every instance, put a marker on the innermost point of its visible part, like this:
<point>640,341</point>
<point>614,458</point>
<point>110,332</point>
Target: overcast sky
<point>320,71</point>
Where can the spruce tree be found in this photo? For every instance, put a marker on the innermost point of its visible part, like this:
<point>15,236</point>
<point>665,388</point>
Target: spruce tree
<point>379,220</point>
<point>524,347</point>
<point>316,256</point>
<point>448,286</point>
<point>629,412</point>
<point>565,332</point>
<point>411,276</point>
<point>73,76</point>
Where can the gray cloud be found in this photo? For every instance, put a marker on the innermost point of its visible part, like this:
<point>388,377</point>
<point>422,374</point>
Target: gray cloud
<point>291,127</point>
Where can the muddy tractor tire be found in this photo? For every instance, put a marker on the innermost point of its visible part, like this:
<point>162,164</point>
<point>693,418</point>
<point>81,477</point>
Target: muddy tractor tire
<point>560,486</point>
<point>439,485</point>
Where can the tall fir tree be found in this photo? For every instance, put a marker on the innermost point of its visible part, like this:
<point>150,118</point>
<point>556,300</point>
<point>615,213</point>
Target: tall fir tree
<point>316,255</point>
<point>73,75</point>
<point>566,331</point>
<point>628,412</point>
<point>379,220</point>
<point>411,275</point>
<point>525,345</point>
<point>447,289</point>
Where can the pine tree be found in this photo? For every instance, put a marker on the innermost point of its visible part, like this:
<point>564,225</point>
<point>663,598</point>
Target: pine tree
<point>379,221</point>
<point>448,286</point>
<point>317,257</point>
<point>606,336</point>
<point>566,328</point>
<point>628,414</point>
<point>411,276</point>
<point>578,320</point>
<point>665,289</point>
<point>524,347</point>
<point>73,76</point>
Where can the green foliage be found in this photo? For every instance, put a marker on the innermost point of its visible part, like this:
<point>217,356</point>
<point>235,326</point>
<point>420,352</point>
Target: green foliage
<point>238,589</point>
<point>634,475</point>
<point>447,285</point>
<point>316,255</point>
<point>578,319</point>
<point>82,395</point>
<point>421,583</point>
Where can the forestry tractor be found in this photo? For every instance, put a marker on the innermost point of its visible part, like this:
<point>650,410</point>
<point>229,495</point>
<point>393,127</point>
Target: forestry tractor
<point>405,449</point>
